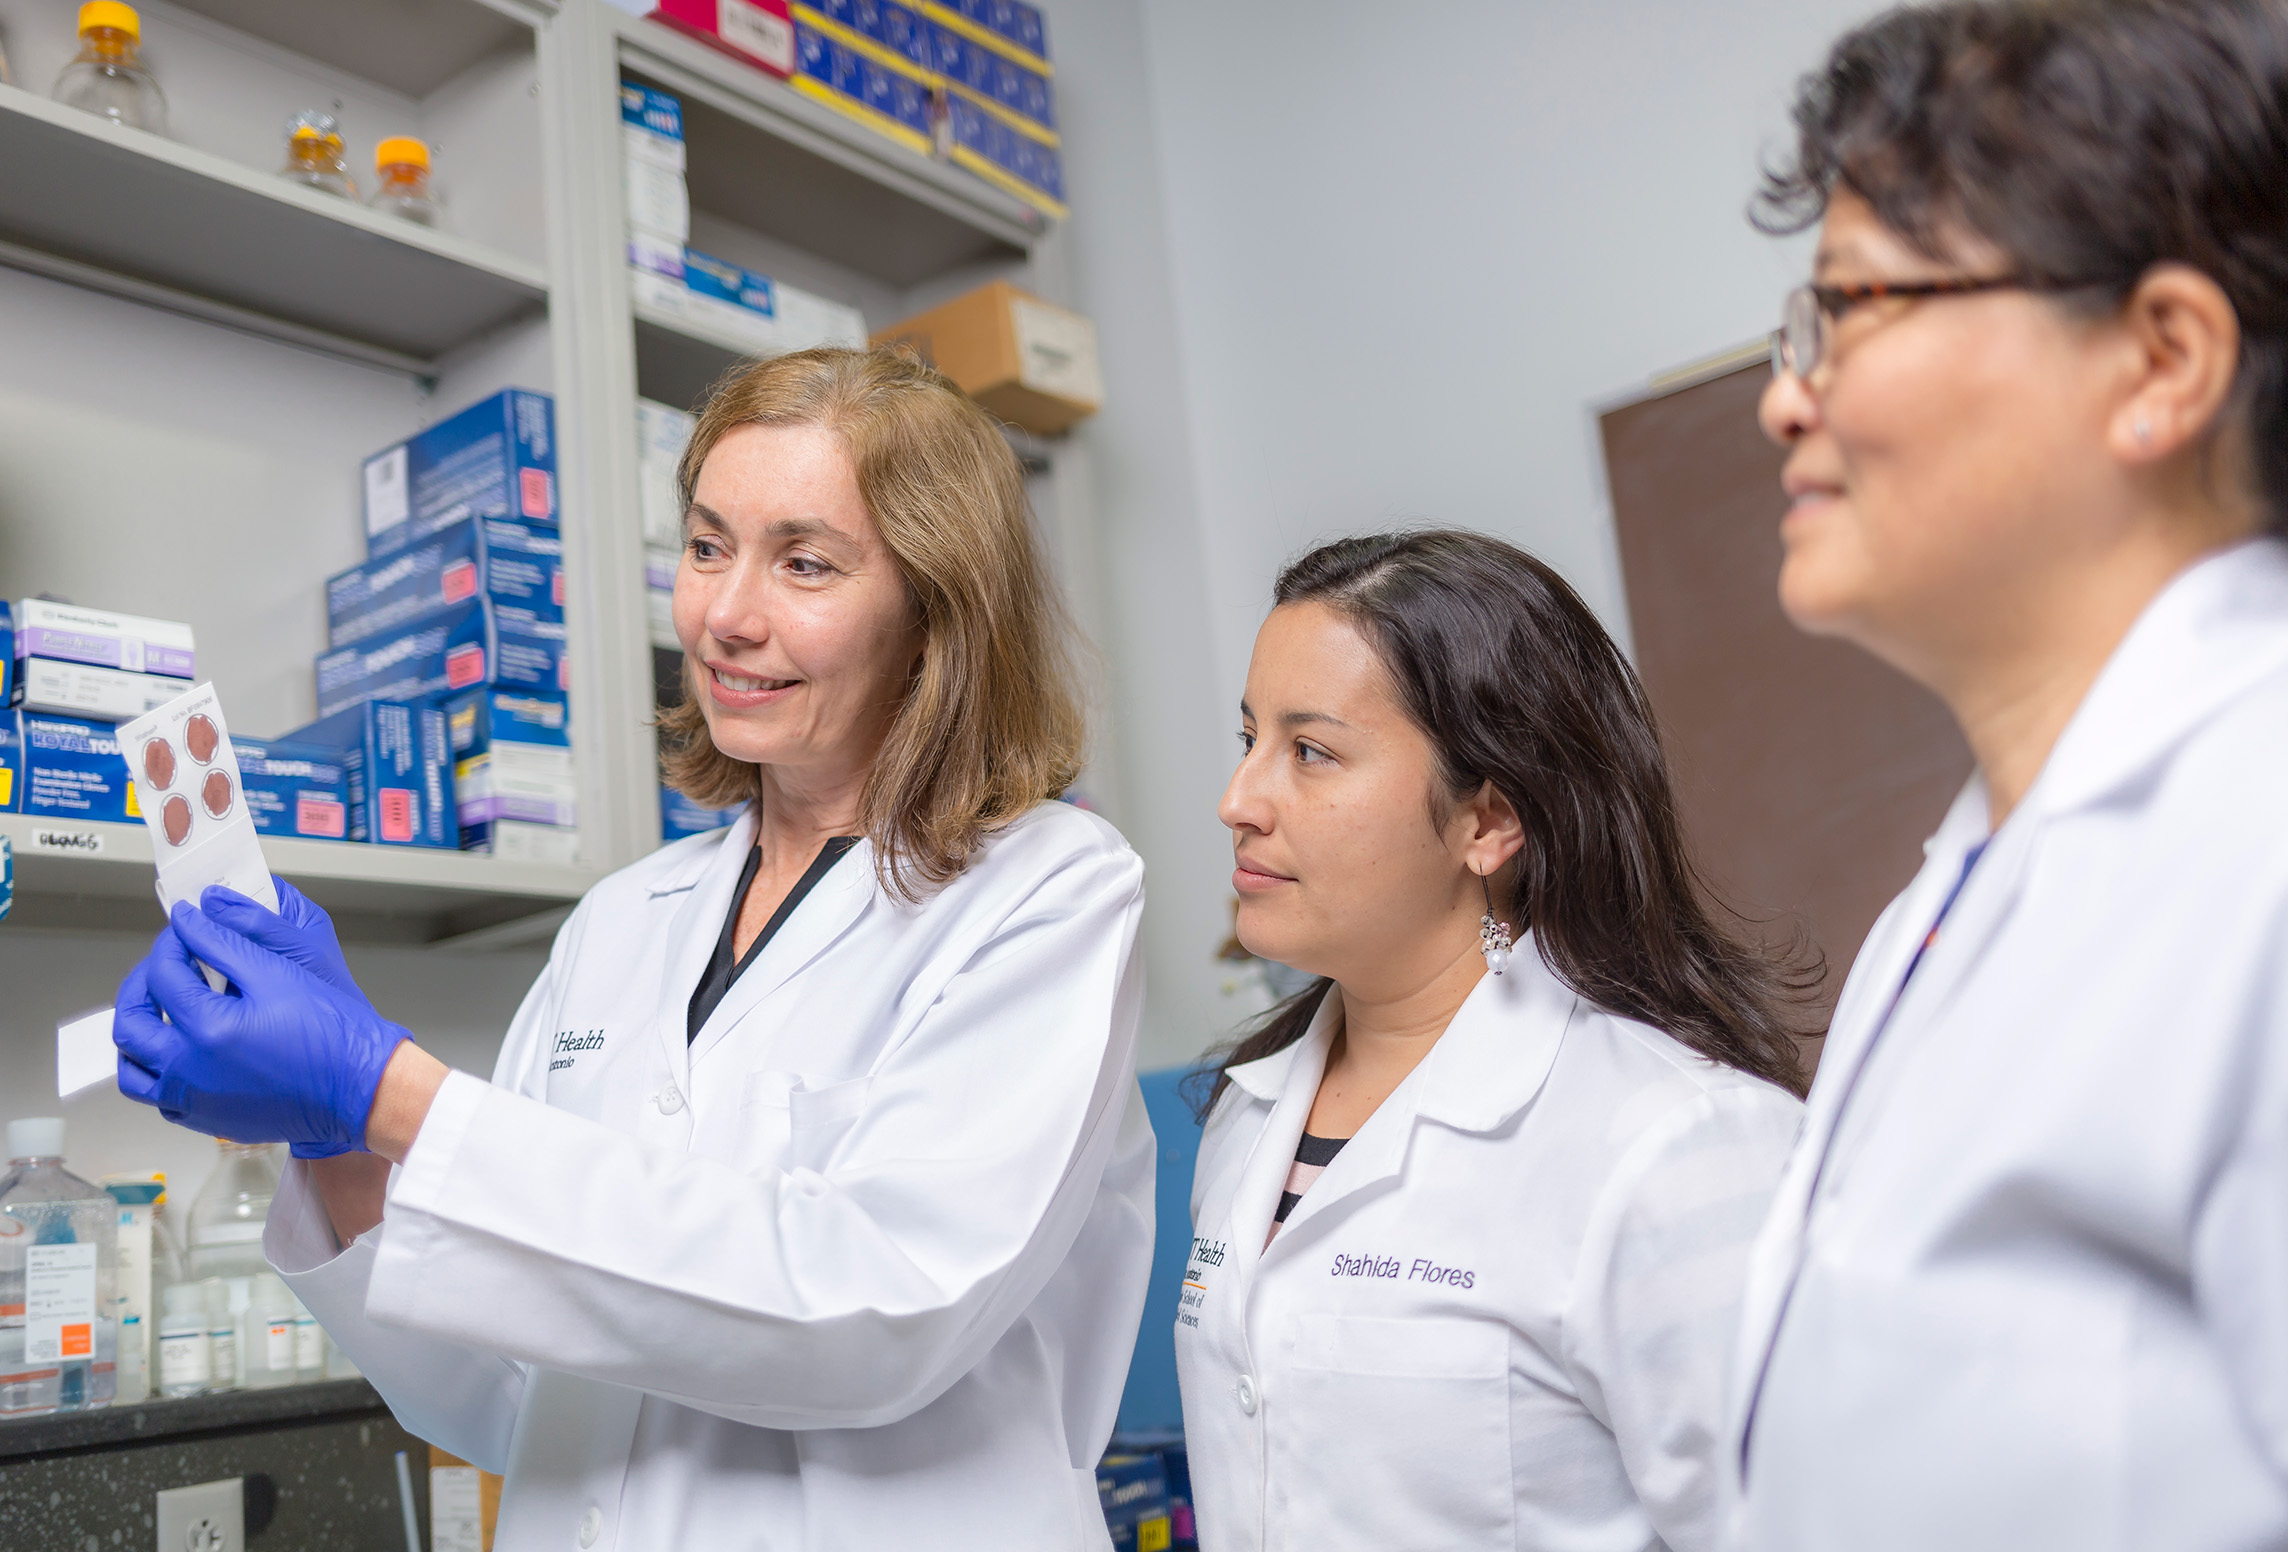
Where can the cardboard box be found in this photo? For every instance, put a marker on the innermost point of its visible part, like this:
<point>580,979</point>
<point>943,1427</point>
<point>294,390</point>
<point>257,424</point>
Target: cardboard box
<point>446,650</point>
<point>1020,165</point>
<point>889,98</point>
<point>294,788</point>
<point>7,655</point>
<point>1031,363</point>
<point>83,690</point>
<point>680,817</point>
<point>652,165</point>
<point>659,597</point>
<point>1133,1492</point>
<point>512,757</point>
<point>756,32</point>
<point>69,634</point>
<point>398,762</point>
<point>661,435</point>
<point>497,458</point>
<point>73,770</point>
<point>11,763</point>
<point>747,311</point>
<point>1009,26</point>
<point>515,841</point>
<point>517,567</point>
<point>1020,96</point>
<point>892,32</point>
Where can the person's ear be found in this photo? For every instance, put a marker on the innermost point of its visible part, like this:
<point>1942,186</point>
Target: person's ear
<point>2186,339</point>
<point>1491,832</point>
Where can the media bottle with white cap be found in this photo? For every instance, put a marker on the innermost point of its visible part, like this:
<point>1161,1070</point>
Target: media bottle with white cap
<point>224,1246</point>
<point>58,1279</point>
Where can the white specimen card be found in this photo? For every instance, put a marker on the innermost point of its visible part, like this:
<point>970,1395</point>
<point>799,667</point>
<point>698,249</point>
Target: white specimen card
<point>59,1302</point>
<point>186,783</point>
<point>84,1052</point>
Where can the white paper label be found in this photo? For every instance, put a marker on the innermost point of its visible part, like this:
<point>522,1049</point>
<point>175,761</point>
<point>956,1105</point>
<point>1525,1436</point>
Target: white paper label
<point>388,491</point>
<point>753,30</point>
<point>222,1344</point>
<point>81,843</point>
<point>309,1344</point>
<point>185,1361</point>
<point>59,1303</point>
<point>1056,352</point>
<point>456,1510</point>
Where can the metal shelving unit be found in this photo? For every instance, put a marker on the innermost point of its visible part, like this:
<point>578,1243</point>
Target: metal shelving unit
<point>162,223</point>
<point>146,218</point>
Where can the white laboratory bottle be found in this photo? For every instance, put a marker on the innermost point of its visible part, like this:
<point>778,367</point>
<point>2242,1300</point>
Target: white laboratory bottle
<point>59,1238</point>
<point>222,1334</point>
<point>269,1334</point>
<point>108,78</point>
<point>309,1345</point>
<point>186,1357</point>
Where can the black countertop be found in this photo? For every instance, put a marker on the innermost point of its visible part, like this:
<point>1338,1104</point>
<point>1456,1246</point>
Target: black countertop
<point>156,1420</point>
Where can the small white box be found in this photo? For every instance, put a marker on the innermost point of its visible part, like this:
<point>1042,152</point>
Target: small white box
<point>83,690</point>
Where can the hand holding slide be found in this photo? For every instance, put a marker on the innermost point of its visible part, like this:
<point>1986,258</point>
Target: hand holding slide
<point>285,1053</point>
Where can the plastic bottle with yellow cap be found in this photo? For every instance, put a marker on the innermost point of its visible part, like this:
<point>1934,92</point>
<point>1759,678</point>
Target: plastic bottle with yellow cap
<point>314,154</point>
<point>401,163</point>
<point>108,78</point>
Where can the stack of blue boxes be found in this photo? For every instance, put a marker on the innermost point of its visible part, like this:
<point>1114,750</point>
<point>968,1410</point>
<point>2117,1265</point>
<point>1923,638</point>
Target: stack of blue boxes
<point>444,697</point>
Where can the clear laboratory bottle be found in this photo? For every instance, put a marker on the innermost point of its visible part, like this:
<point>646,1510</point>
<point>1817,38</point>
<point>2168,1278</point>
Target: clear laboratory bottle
<point>401,171</point>
<point>186,1355</point>
<point>108,78</point>
<point>59,1239</point>
<point>222,1333</point>
<point>314,154</point>
<point>224,1235</point>
<point>269,1334</point>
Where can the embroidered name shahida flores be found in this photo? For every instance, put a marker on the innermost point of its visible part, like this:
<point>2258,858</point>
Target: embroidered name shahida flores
<point>565,1048</point>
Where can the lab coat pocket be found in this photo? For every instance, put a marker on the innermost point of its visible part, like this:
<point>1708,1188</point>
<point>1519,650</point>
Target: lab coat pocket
<point>1392,1433</point>
<point>819,1119</point>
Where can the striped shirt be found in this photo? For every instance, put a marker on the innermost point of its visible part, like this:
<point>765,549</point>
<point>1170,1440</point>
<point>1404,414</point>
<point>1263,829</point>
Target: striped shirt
<point>1312,1156</point>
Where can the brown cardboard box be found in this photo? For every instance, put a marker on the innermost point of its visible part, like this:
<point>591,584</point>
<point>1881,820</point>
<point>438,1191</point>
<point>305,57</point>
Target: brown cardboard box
<point>488,1501</point>
<point>1029,362</point>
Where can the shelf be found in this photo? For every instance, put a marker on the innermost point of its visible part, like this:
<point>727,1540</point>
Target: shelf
<point>409,46</point>
<point>159,1420</point>
<point>101,880</point>
<point>773,161</point>
<point>675,364</point>
<point>140,216</point>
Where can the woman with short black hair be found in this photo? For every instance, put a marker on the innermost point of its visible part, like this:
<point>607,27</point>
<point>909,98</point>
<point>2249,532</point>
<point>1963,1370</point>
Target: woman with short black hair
<point>2026,1280</point>
<point>1471,1211</point>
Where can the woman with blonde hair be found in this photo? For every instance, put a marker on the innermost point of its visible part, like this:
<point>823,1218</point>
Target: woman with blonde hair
<point>809,1205</point>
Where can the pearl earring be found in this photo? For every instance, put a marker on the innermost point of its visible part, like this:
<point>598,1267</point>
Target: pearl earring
<point>1493,936</point>
<point>2143,429</point>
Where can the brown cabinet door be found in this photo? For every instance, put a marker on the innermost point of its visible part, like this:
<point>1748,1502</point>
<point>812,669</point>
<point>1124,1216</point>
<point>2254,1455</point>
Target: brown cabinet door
<point>1808,772</point>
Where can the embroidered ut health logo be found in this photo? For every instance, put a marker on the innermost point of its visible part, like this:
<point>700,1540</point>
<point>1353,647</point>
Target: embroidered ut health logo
<point>564,1050</point>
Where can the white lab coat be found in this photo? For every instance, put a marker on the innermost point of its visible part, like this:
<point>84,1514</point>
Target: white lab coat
<point>1502,1316</point>
<point>859,1269</point>
<point>2043,1299</point>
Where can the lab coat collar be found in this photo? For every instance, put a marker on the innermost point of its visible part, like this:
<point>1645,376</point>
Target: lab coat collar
<point>1265,1078</point>
<point>2214,631</point>
<point>700,894</point>
<point>1488,1065</point>
<point>834,903</point>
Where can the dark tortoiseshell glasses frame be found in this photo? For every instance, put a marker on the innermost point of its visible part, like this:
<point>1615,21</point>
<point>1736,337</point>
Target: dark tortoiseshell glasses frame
<point>1799,344</point>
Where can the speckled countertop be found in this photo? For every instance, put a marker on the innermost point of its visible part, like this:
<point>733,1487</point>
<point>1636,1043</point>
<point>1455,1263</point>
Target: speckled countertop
<point>148,1422</point>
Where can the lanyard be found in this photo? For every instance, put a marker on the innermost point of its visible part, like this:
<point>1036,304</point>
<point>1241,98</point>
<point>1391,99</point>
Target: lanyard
<point>1842,1108</point>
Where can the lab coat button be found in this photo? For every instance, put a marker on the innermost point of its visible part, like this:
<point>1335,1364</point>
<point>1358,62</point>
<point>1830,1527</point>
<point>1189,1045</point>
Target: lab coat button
<point>668,1100</point>
<point>591,1525</point>
<point>1245,1391</point>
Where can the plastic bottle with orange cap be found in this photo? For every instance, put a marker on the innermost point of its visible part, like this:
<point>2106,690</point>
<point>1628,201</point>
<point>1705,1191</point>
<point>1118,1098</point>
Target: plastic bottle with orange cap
<point>401,166</point>
<point>108,78</point>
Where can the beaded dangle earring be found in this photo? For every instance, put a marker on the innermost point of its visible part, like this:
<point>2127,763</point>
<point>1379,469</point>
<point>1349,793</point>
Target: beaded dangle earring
<point>1493,936</point>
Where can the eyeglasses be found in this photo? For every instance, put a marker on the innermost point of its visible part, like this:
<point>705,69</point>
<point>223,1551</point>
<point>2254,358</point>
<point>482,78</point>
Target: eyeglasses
<point>1807,321</point>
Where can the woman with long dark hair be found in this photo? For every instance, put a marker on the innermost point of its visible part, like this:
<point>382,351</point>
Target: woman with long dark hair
<point>2025,1283</point>
<point>1471,1211</point>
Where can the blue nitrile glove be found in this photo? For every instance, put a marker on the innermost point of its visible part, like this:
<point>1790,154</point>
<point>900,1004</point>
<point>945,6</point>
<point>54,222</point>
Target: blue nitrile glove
<point>282,1056</point>
<point>298,930</point>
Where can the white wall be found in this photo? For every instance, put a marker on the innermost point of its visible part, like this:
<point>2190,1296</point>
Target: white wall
<point>1355,274</point>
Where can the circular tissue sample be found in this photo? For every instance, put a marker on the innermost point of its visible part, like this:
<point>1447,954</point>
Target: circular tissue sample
<point>175,818</point>
<point>215,793</point>
<point>159,764</point>
<point>200,737</point>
